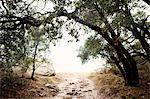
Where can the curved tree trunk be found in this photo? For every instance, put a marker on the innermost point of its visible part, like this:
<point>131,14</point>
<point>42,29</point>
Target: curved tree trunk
<point>129,65</point>
<point>126,59</point>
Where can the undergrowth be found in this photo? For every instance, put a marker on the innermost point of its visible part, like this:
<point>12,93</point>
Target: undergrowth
<point>111,85</point>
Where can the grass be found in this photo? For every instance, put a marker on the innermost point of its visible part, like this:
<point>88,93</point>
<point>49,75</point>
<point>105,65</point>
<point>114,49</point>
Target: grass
<point>13,86</point>
<point>111,86</point>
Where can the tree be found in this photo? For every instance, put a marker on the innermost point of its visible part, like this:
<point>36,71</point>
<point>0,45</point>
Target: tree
<point>139,34</point>
<point>95,46</point>
<point>103,12</point>
<point>12,41</point>
<point>19,40</point>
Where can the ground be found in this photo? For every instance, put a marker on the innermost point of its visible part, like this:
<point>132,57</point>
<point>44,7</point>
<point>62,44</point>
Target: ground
<point>112,86</point>
<point>60,86</point>
<point>76,86</point>
<point>98,85</point>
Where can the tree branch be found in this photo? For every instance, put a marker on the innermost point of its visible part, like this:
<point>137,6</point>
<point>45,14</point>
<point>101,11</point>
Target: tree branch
<point>147,1</point>
<point>3,4</point>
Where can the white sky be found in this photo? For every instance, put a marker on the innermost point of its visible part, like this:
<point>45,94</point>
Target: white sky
<point>64,57</point>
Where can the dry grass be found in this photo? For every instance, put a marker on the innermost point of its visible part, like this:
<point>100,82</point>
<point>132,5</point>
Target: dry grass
<point>16,87</point>
<point>111,86</point>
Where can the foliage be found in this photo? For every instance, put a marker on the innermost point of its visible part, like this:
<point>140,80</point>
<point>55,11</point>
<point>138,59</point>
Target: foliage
<point>94,47</point>
<point>19,32</point>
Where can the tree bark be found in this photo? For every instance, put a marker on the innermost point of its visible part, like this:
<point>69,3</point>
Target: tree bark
<point>34,57</point>
<point>129,65</point>
<point>123,73</point>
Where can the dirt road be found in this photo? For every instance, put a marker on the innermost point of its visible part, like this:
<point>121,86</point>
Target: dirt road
<point>76,86</point>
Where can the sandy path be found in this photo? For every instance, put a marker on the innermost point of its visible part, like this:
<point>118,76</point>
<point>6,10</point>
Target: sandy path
<point>76,86</point>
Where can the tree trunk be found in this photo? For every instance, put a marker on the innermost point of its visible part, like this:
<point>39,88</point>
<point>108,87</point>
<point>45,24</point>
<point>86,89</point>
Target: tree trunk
<point>142,40</point>
<point>129,65</point>
<point>120,68</point>
<point>34,58</point>
<point>33,66</point>
<point>126,59</point>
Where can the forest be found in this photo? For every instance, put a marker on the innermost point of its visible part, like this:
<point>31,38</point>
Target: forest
<point>120,34</point>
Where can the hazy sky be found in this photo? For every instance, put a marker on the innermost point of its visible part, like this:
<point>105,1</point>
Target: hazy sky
<point>64,57</point>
